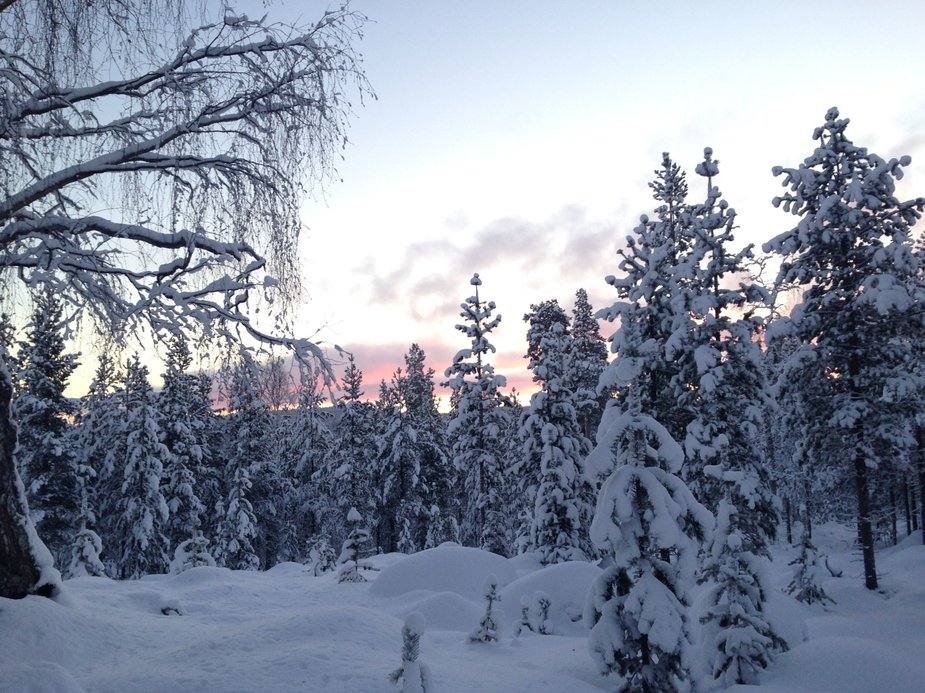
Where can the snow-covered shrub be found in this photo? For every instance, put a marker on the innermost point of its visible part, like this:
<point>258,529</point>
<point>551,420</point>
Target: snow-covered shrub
<point>413,675</point>
<point>351,554</point>
<point>489,629</point>
<point>806,585</point>
<point>192,553</point>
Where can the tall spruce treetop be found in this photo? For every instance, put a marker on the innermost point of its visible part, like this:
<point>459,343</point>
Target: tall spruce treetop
<point>653,271</point>
<point>476,426</point>
<point>851,254</point>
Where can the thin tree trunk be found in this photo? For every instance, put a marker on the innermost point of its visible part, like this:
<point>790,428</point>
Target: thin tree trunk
<point>789,520</point>
<point>894,515</point>
<point>20,572</point>
<point>865,533</point>
<point>907,506</point>
<point>920,463</point>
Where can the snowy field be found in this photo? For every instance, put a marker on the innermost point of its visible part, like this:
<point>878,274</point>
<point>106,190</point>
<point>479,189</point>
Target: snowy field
<point>288,630</point>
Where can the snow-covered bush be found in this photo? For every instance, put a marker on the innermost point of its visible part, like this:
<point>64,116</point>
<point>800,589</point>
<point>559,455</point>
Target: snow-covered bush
<point>413,675</point>
<point>192,553</point>
<point>489,629</point>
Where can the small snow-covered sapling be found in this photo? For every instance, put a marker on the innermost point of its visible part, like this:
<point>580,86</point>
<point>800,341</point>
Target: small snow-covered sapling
<point>541,604</point>
<point>489,629</point>
<point>351,554</point>
<point>413,675</point>
<point>321,557</point>
<point>524,623</point>
<point>806,585</point>
<point>192,553</point>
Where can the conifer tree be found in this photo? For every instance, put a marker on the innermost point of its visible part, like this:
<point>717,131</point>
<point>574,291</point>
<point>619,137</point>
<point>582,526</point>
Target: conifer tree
<point>850,253</point>
<point>552,476</point>
<point>45,453</point>
<point>353,551</point>
<point>140,543</point>
<point>183,434</point>
<point>346,474</point>
<point>238,543</point>
<point>489,629</point>
<point>587,359</point>
<point>476,425</point>
<point>413,675</point>
<point>726,470</point>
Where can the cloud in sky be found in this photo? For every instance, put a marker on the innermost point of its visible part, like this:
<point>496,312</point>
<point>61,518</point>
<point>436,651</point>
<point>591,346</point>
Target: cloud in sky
<point>566,251</point>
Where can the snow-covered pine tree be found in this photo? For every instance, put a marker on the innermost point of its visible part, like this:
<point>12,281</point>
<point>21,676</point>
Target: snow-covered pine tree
<point>140,546</point>
<point>552,473</point>
<point>354,549</point>
<point>182,432</point>
<point>346,475</point>
<point>45,454</point>
<point>436,470</point>
<point>413,675</point>
<point>489,629</point>
<point>851,254</point>
<point>309,442</point>
<point>100,448</point>
<point>646,518</point>
<point>477,423</point>
<point>587,359</point>
<point>85,555</point>
<point>806,584</point>
<point>237,539</point>
<point>192,553</point>
<point>655,267</point>
<point>401,506</point>
<point>725,469</point>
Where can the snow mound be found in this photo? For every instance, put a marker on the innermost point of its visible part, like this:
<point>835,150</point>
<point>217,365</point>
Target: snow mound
<point>567,585</point>
<point>454,569</point>
<point>844,664</point>
<point>448,611</point>
<point>39,677</point>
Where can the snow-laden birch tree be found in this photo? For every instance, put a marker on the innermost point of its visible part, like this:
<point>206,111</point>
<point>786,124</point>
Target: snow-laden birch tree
<point>198,136</point>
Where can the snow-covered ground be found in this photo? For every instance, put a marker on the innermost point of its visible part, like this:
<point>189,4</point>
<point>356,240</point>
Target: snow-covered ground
<point>286,630</point>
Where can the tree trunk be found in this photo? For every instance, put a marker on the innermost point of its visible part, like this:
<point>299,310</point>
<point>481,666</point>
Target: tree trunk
<point>907,505</point>
<point>920,464</point>
<point>894,515</point>
<point>789,521</point>
<point>865,533</point>
<point>20,571</point>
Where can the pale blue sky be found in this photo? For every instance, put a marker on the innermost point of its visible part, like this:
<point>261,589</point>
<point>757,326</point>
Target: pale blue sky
<point>516,139</point>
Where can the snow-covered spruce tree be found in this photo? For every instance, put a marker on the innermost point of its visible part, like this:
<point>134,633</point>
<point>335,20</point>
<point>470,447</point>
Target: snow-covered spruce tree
<point>192,553</point>
<point>656,269</point>
<point>354,549</point>
<point>413,675</point>
<point>140,545</point>
<point>477,422</point>
<point>346,474</point>
<point>554,447</point>
<point>46,455</point>
<point>808,574</point>
<point>85,555</point>
<point>726,471</point>
<point>650,524</point>
<point>587,359</point>
<point>435,467</point>
<point>850,252</point>
<point>489,629</point>
<point>145,132</point>
<point>309,441</point>
<point>182,432</point>
<point>239,544</point>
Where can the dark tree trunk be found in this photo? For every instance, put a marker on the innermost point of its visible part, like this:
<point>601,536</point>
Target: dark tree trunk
<point>920,465</point>
<point>789,520</point>
<point>907,505</point>
<point>20,574</point>
<point>894,515</point>
<point>865,533</point>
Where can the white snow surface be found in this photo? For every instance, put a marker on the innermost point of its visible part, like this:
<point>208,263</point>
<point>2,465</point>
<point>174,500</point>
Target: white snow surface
<point>287,630</point>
